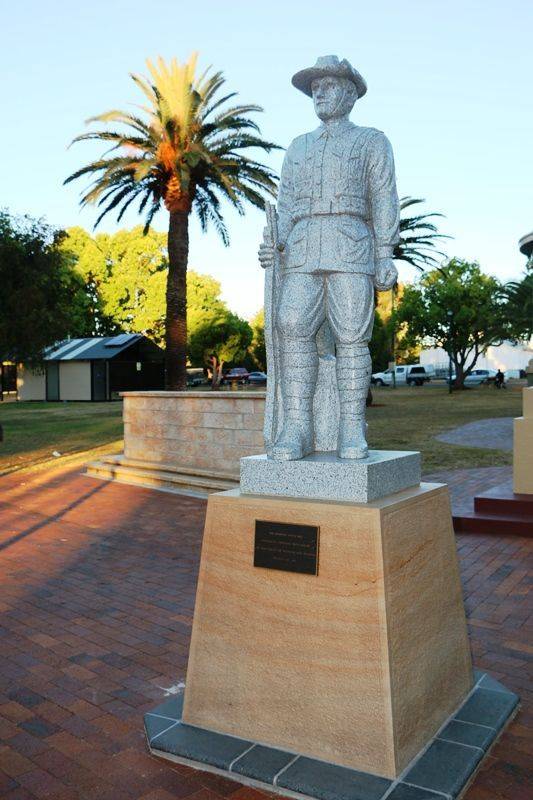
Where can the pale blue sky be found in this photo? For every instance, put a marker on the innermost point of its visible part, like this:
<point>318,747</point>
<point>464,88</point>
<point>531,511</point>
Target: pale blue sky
<point>450,82</point>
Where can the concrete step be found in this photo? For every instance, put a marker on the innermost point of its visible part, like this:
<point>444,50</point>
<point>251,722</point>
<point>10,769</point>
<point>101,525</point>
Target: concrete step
<point>121,460</point>
<point>182,480</point>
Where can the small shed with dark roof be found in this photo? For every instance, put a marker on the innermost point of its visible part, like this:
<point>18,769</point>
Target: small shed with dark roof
<point>96,368</point>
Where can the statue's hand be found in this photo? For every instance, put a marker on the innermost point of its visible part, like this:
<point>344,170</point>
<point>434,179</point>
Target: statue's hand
<point>386,274</point>
<point>266,255</point>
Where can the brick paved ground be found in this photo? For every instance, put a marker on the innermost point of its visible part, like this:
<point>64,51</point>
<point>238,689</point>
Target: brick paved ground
<point>464,484</point>
<point>96,600</point>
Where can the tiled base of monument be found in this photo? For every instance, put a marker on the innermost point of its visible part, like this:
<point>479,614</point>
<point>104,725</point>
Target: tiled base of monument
<point>329,653</point>
<point>441,771</point>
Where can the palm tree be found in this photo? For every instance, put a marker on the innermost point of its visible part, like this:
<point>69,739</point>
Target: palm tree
<point>417,245</point>
<point>519,295</point>
<point>183,150</point>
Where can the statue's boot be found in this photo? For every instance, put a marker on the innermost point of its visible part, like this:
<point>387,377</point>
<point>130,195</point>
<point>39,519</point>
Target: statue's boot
<point>299,369</point>
<point>354,369</point>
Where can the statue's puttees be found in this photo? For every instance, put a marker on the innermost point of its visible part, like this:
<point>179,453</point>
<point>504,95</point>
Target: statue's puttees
<point>325,251</point>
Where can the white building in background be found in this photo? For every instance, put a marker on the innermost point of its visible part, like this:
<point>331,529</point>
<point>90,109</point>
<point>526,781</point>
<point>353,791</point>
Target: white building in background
<point>508,357</point>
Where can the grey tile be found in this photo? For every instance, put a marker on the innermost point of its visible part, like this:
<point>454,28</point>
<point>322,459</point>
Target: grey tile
<point>445,767</point>
<point>492,683</point>
<point>156,725</point>
<point>262,763</point>
<point>171,708</point>
<point>201,745</point>
<point>487,707</point>
<point>465,733</point>
<point>404,792</point>
<point>329,782</point>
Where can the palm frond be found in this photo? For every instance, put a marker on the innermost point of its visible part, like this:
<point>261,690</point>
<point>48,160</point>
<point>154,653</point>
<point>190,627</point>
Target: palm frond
<point>186,145</point>
<point>418,237</point>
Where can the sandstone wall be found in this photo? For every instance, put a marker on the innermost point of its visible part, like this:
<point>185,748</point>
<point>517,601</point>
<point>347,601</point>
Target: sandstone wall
<point>209,430</point>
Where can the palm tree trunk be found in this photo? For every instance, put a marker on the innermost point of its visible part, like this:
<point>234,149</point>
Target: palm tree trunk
<point>176,313</point>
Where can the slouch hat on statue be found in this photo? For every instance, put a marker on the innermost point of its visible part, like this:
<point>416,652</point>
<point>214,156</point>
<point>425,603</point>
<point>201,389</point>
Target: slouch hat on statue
<point>329,65</point>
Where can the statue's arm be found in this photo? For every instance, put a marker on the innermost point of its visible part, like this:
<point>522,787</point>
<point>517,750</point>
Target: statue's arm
<point>383,196</point>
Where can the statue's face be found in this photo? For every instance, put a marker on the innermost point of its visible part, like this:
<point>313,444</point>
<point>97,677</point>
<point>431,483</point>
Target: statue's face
<point>333,97</point>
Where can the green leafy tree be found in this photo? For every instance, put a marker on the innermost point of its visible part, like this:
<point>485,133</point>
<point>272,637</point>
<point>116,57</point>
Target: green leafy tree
<point>460,309</point>
<point>185,150</point>
<point>204,302</point>
<point>42,298</point>
<point>128,271</point>
<point>218,343</point>
<point>125,274</point>
<point>133,294</point>
<point>380,345</point>
<point>257,351</point>
<point>87,258</point>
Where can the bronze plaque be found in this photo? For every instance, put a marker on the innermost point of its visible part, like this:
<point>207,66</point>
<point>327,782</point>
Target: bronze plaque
<point>282,545</point>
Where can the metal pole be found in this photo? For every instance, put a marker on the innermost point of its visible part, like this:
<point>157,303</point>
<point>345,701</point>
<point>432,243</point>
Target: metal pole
<point>450,318</point>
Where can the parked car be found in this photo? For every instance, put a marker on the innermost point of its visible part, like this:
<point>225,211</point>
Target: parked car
<point>236,375</point>
<point>195,376</point>
<point>257,377</point>
<point>410,374</point>
<point>478,377</point>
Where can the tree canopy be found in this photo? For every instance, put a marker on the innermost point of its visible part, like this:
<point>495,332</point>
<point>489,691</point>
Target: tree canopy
<point>458,308</point>
<point>43,298</point>
<point>221,342</point>
<point>257,350</point>
<point>126,272</point>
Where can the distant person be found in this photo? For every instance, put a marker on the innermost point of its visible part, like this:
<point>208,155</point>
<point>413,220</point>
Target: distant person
<point>499,380</point>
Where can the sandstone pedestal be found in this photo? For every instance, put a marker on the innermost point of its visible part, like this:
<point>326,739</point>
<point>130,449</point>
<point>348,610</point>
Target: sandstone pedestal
<point>358,665</point>
<point>523,447</point>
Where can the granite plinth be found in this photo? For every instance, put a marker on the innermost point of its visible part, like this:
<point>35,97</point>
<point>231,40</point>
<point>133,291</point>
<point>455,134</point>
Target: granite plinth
<point>439,772</point>
<point>325,476</point>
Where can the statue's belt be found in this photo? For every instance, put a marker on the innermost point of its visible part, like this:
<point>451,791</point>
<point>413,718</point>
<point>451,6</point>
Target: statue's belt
<point>308,207</point>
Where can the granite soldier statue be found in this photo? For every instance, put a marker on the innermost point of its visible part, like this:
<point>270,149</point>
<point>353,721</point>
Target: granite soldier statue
<point>331,245</point>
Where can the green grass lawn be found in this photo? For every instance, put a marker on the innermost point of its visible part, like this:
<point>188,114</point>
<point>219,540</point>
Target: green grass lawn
<point>409,418</point>
<point>402,419</point>
<point>33,431</point>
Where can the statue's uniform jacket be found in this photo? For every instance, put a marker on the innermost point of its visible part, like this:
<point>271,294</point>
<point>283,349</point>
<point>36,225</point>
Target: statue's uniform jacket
<point>338,214</point>
<point>338,206</point>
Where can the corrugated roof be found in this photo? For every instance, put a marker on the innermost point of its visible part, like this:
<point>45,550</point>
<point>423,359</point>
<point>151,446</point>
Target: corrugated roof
<point>91,349</point>
<point>121,339</point>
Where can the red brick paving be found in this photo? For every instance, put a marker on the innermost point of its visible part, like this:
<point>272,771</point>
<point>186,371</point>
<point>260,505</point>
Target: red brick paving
<point>96,601</point>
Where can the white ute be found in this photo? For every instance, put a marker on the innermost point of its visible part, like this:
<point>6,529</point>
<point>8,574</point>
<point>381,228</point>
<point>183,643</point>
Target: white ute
<point>406,374</point>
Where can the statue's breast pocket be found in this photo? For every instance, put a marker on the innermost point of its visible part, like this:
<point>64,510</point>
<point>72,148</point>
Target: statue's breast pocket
<point>355,242</point>
<point>302,177</point>
<point>353,177</point>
